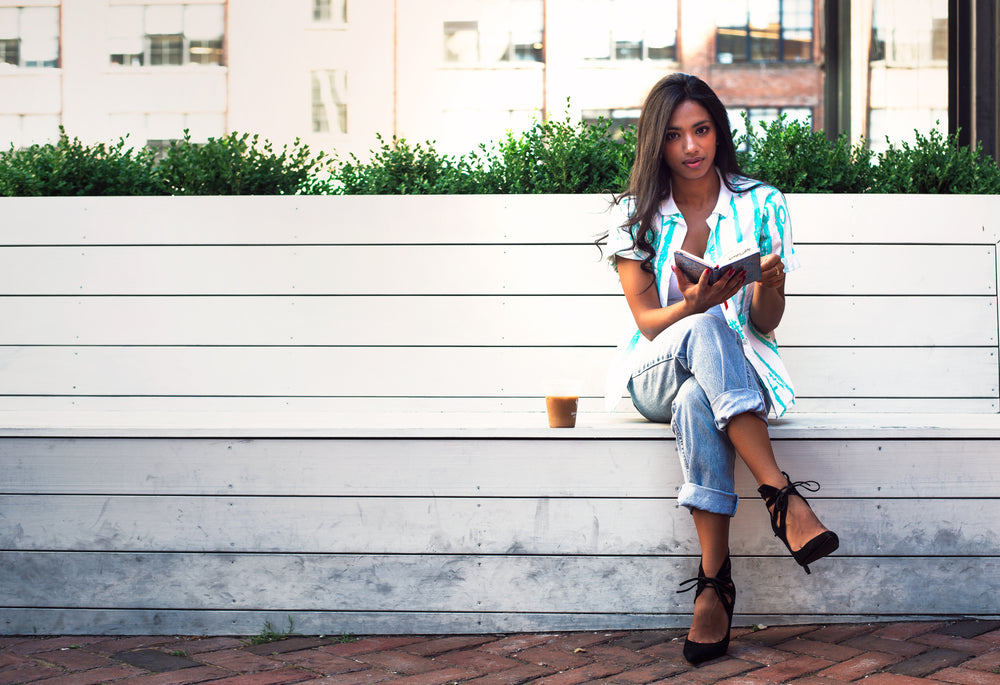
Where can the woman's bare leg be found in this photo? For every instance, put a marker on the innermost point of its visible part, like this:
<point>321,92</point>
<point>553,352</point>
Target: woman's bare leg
<point>749,436</point>
<point>710,622</point>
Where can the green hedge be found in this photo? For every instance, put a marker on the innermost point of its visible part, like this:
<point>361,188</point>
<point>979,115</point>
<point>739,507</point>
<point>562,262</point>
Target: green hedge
<point>551,157</point>
<point>234,165</point>
<point>796,159</point>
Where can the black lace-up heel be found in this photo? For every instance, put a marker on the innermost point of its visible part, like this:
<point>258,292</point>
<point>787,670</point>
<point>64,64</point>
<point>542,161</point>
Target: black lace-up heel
<point>722,583</point>
<point>777,501</point>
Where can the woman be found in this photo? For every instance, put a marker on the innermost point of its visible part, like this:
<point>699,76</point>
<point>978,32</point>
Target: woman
<point>704,357</point>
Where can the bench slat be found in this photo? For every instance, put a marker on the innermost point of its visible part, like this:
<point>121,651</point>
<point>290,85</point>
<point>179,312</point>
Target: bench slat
<point>485,525</point>
<point>907,464</point>
<point>342,220</point>
<point>895,270</point>
<point>449,269</point>
<point>305,270</point>
<point>455,372</point>
<point>384,583</point>
<point>853,219</point>
<point>88,414</point>
<point>839,218</point>
<point>964,321</point>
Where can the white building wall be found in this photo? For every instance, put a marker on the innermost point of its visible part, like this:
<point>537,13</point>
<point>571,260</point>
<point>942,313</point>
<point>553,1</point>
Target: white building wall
<point>273,50</point>
<point>396,78</point>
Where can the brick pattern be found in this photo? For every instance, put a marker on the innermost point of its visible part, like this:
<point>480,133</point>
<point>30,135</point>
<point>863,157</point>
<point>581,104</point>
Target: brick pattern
<point>902,653</point>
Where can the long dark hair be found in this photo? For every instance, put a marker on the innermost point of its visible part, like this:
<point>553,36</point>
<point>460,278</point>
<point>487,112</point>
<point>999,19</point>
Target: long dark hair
<point>649,182</point>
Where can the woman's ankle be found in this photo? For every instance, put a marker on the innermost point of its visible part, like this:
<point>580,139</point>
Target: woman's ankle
<point>803,523</point>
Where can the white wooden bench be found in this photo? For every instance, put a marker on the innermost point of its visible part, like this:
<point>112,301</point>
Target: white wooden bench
<point>216,412</point>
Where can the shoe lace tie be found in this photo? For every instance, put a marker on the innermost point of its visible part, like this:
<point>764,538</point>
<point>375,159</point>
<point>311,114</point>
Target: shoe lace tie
<point>726,590</point>
<point>778,502</point>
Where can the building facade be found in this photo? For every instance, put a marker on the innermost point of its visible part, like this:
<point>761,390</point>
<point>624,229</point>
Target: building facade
<point>337,73</point>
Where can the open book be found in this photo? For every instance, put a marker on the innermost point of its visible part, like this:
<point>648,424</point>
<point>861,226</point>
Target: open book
<point>746,258</point>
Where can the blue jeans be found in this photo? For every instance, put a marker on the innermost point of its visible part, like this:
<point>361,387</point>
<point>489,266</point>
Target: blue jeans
<point>697,379</point>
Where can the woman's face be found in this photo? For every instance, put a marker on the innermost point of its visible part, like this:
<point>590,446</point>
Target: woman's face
<point>689,145</point>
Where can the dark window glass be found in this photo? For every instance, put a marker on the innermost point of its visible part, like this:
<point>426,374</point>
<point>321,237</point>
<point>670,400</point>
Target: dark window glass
<point>764,44</point>
<point>205,52</point>
<point>328,10</point>
<point>128,60</point>
<point>628,49</point>
<point>10,52</point>
<point>529,52</point>
<point>731,45</point>
<point>321,10</point>
<point>666,52</point>
<point>764,31</point>
<point>166,50</point>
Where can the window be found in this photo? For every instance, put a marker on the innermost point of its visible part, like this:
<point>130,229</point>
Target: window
<point>10,52</point>
<point>618,30</point>
<point>165,35</point>
<point>764,31</point>
<point>330,10</point>
<point>910,34</point>
<point>29,36</point>
<point>166,50</point>
<point>461,41</point>
<point>489,31</point>
<point>907,80</point>
<point>160,147</point>
<point>619,119</point>
<point>329,101</point>
<point>156,130</point>
<point>763,115</point>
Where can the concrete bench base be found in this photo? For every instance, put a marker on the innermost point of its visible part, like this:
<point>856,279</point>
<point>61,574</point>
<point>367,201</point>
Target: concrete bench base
<point>468,523</point>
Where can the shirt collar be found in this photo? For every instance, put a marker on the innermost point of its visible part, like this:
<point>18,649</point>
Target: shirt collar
<point>722,205</point>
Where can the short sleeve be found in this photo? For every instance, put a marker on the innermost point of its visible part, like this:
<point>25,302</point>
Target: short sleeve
<point>620,240</point>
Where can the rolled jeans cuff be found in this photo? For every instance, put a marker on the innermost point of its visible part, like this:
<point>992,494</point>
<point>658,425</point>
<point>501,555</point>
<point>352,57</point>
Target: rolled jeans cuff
<point>713,501</point>
<point>735,402</point>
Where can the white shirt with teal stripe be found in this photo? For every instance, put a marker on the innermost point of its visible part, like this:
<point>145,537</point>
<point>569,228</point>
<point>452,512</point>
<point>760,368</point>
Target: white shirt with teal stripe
<point>757,213</point>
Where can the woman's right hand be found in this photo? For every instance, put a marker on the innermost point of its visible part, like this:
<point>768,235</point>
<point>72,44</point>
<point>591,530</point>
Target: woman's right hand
<point>701,296</point>
<point>644,300</point>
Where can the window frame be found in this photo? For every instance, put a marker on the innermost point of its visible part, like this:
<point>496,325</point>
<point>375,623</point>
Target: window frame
<point>186,46</point>
<point>341,110</point>
<point>516,50</point>
<point>10,46</point>
<point>779,110</point>
<point>323,11</point>
<point>163,46</point>
<point>17,43</point>
<point>619,117</point>
<point>617,47</point>
<point>747,31</point>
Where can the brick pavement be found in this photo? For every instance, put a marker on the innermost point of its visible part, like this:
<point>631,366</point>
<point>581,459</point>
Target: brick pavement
<point>960,652</point>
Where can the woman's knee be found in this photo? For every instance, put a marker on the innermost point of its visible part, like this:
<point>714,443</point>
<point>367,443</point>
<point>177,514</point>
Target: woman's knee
<point>706,332</point>
<point>705,323</point>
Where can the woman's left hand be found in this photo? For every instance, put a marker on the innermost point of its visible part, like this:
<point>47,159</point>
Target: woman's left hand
<point>772,271</point>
